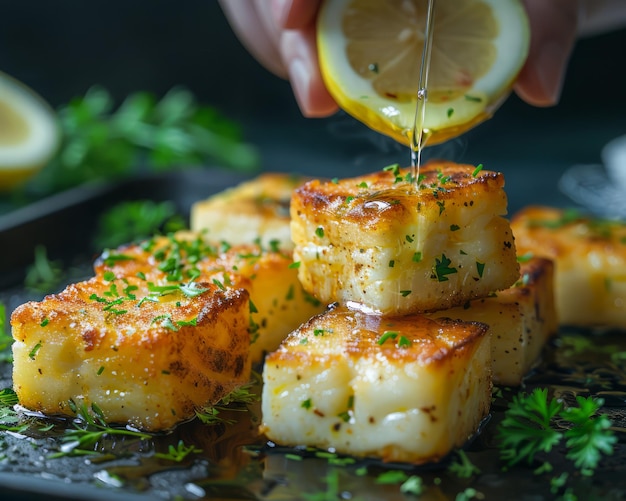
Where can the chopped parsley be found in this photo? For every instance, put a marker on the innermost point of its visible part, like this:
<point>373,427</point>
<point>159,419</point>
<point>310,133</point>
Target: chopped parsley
<point>442,269</point>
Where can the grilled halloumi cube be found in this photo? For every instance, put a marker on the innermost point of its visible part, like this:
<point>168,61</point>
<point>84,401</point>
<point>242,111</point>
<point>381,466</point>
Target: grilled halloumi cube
<point>278,302</point>
<point>521,319</point>
<point>403,388</point>
<point>590,262</point>
<point>146,360</point>
<point>255,209</point>
<point>376,241</point>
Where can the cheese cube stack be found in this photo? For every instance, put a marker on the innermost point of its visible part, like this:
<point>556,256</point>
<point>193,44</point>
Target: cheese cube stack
<point>377,241</point>
<point>402,388</point>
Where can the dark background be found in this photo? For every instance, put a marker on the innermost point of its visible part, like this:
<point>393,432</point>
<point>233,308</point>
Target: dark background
<point>61,48</point>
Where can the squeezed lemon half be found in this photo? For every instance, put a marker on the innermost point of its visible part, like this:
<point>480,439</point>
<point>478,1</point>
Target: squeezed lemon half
<point>29,134</point>
<point>370,54</point>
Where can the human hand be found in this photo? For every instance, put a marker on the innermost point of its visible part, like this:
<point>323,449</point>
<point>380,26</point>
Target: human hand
<point>281,35</point>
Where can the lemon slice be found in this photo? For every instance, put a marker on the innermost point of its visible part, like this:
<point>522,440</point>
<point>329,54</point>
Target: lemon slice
<point>29,133</point>
<point>370,54</point>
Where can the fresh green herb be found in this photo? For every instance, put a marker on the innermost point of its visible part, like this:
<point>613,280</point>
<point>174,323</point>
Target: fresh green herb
<point>462,466</point>
<point>274,245</point>
<point>417,257</point>
<point>100,370</point>
<point>387,335</point>
<point>527,430</point>
<point>468,494</point>
<point>450,112</point>
<point>480,267</point>
<point>454,227</point>
<point>293,457</point>
<point>331,493</point>
<point>192,289</point>
<point>392,477</point>
<point>164,321</point>
<point>409,238</point>
<point>186,323</point>
<point>252,307</point>
<point>89,429</point>
<point>413,485</point>
<point>44,275</point>
<point>103,143</point>
<point>319,231</point>
<point>404,342</point>
<point>335,180</point>
<point>111,258</point>
<point>405,293</point>
<point>473,98</point>
<point>442,178</point>
<point>306,404</point>
<point>477,170</point>
<point>295,264</point>
<point>442,206</point>
<point>395,171</point>
<point>33,353</point>
<point>237,400</point>
<point>392,263</point>
<point>178,453</point>
<point>442,269</point>
<point>344,416</point>
<point>136,220</point>
<point>362,185</point>
<point>525,257</point>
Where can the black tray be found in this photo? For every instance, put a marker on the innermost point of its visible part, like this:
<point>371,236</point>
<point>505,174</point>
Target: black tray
<point>235,463</point>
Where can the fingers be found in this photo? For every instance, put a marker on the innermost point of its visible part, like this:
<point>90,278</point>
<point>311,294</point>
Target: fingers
<point>295,14</point>
<point>256,31</point>
<point>553,25</point>
<point>280,34</point>
<point>299,51</point>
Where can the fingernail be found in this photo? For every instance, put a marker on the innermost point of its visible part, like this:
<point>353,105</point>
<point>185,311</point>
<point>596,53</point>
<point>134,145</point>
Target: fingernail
<point>551,66</point>
<point>299,76</point>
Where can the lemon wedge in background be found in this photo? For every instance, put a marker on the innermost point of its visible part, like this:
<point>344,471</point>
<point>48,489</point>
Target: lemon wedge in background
<point>370,53</point>
<point>29,134</point>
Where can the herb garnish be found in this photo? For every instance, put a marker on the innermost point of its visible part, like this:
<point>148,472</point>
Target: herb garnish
<point>89,429</point>
<point>237,400</point>
<point>178,453</point>
<point>528,429</point>
<point>101,142</point>
<point>442,268</point>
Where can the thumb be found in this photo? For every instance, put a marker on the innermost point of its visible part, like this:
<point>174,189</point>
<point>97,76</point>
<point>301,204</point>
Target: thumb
<point>553,26</point>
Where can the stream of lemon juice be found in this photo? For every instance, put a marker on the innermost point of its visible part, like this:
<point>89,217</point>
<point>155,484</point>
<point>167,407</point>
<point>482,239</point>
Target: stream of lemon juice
<point>419,134</point>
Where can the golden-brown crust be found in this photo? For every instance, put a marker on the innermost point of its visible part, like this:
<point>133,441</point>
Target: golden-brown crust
<point>357,334</point>
<point>359,199</point>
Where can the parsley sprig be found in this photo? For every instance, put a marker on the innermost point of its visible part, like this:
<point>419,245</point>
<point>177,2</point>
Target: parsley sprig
<point>528,429</point>
<point>178,453</point>
<point>88,430</point>
<point>237,400</point>
<point>102,141</point>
